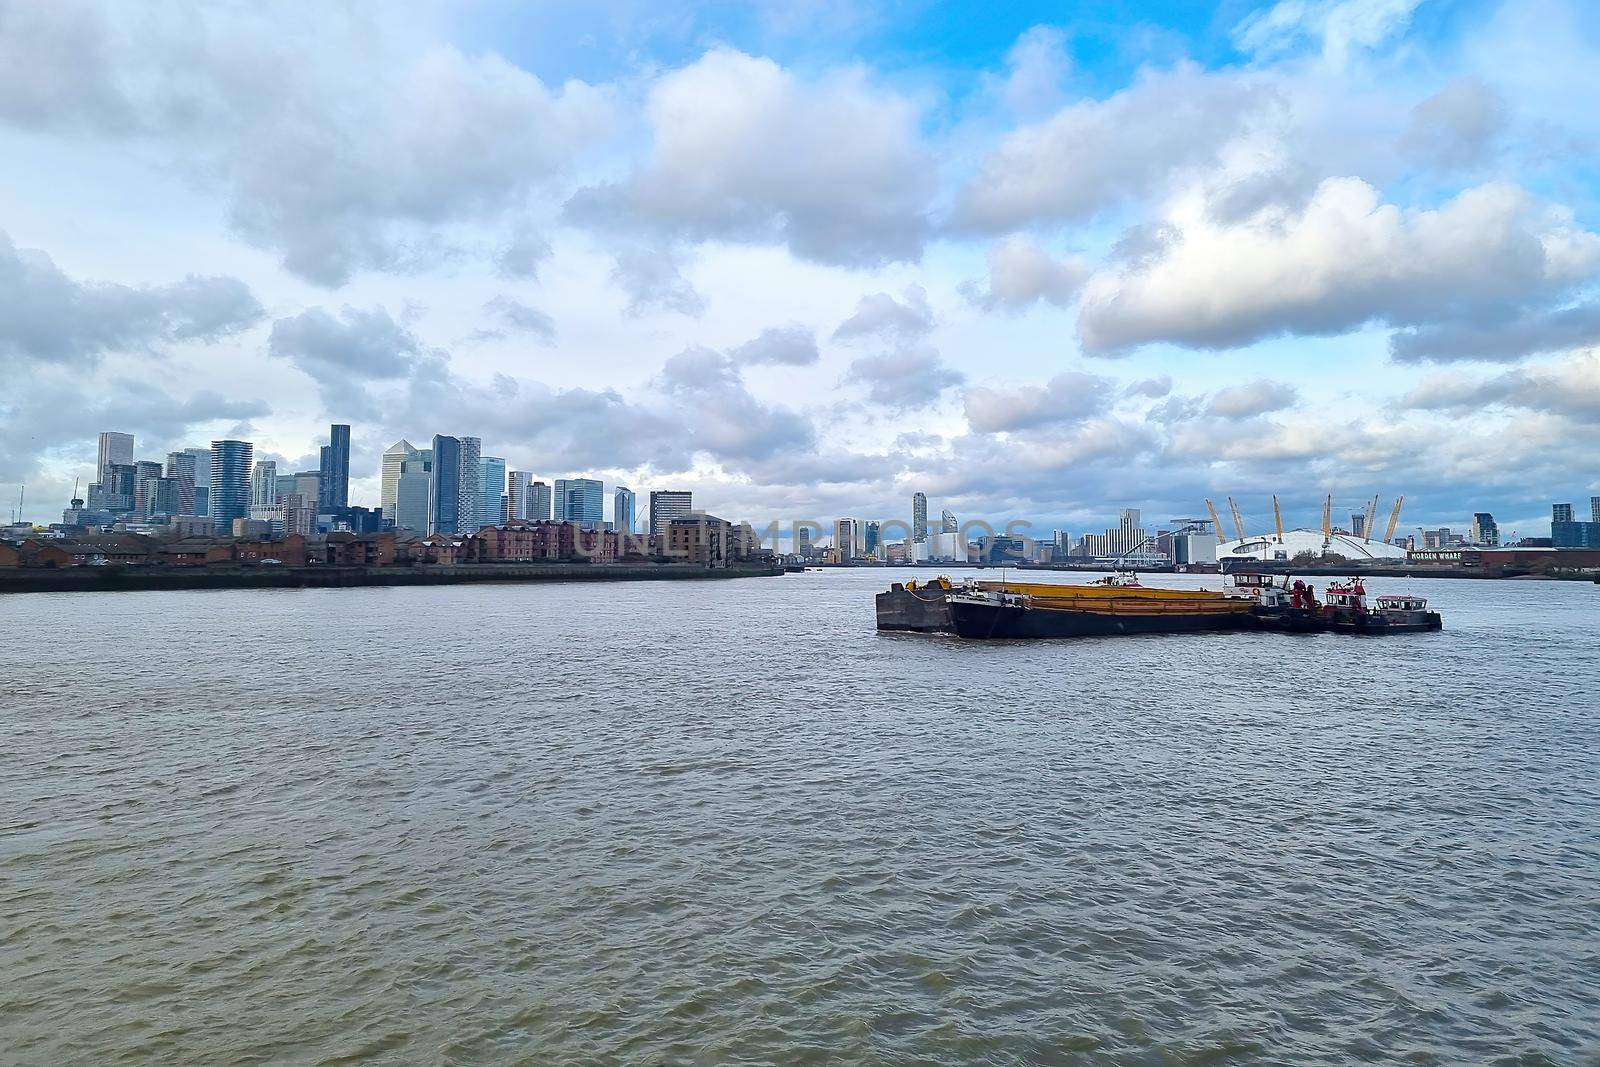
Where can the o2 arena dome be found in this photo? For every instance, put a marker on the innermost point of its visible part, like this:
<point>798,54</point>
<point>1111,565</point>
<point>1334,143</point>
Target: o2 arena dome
<point>1295,542</point>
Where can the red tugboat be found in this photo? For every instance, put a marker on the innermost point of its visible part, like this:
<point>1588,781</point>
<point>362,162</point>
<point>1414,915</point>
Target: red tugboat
<point>1347,612</point>
<point>1280,605</point>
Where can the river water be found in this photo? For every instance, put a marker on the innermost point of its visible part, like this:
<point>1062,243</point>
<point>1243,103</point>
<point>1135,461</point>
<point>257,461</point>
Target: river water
<point>727,822</point>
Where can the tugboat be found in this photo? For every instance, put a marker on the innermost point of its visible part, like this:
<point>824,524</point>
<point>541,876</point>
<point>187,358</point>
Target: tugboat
<point>1280,605</point>
<point>1347,612</point>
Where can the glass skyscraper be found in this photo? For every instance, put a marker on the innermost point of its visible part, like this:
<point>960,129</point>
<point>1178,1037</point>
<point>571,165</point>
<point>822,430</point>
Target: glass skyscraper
<point>622,507</point>
<point>469,480</point>
<point>492,491</point>
<point>231,466</point>
<point>580,500</point>
<point>444,491</point>
<point>333,491</point>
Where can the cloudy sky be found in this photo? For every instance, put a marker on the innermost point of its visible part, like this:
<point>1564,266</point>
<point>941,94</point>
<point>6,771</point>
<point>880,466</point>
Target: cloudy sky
<point>805,258</point>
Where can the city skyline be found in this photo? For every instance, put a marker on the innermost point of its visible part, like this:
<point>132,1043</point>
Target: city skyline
<point>1037,275</point>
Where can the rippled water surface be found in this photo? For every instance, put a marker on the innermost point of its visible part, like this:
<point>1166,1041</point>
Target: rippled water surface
<point>727,822</point>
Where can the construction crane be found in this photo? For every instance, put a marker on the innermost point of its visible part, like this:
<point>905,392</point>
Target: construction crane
<point>1238,523</point>
<point>1327,522</point>
<point>1277,517</point>
<point>1394,520</point>
<point>1372,517</point>
<point>1216,523</point>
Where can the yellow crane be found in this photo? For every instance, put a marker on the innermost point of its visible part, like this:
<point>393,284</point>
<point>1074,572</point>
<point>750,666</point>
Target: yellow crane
<point>1394,520</point>
<point>1238,523</point>
<point>1371,517</point>
<point>1327,521</point>
<point>1277,517</point>
<point>1216,523</point>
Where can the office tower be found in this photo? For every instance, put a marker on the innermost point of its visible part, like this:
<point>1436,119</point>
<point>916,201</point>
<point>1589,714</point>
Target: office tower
<point>335,470</point>
<point>1560,512</point>
<point>870,538</point>
<point>1130,534</point>
<point>947,522</point>
<point>117,487</point>
<point>144,472</point>
<point>1358,524</point>
<point>389,476</point>
<point>114,448</point>
<point>492,491</point>
<point>264,484</point>
<point>622,503</point>
<point>802,539</point>
<point>849,539</point>
<point>411,492</point>
<point>299,514</point>
<point>444,490</point>
<point>580,500</point>
<point>539,503</point>
<point>180,466</point>
<point>666,505</point>
<point>161,497</point>
<point>231,464</point>
<point>517,497</point>
<point>469,484</point>
<point>1484,531</point>
<point>202,479</point>
<point>919,517</point>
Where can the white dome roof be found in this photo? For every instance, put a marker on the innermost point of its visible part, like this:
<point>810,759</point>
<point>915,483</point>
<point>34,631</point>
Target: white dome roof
<point>1297,541</point>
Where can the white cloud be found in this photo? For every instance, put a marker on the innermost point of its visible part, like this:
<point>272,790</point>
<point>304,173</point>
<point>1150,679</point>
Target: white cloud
<point>1338,28</point>
<point>1344,260</point>
<point>1037,66</point>
<point>1096,154</point>
<point>1022,274</point>
<point>788,346</point>
<point>1065,399</point>
<point>880,317</point>
<point>905,379</point>
<point>743,150</point>
<point>1250,399</point>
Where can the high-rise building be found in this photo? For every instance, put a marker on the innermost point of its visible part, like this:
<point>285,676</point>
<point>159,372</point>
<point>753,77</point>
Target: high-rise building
<point>580,500</point>
<point>202,480</point>
<point>411,494</point>
<point>1594,509</point>
<point>540,502</point>
<point>947,522</point>
<point>492,491</point>
<point>622,505</point>
<point>517,483</point>
<point>264,484</point>
<point>160,497</point>
<point>1560,512</point>
<point>849,539</point>
<point>114,448</point>
<point>1130,533</point>
<point>1484,531</point>
<point>144,472</point>
<point>870,538</point>
<point>469,506</point>
<point>389,475</point>
<point>666,505</point>
<point>444,489</point>
<point>334,487</point>
<point>1358,524</point>
<point>180,466</point>
<point>919,518</point>
<point>230,482</point>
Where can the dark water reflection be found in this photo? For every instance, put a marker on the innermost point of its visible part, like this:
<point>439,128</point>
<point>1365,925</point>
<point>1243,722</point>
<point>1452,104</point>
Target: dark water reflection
<point>727,822</point>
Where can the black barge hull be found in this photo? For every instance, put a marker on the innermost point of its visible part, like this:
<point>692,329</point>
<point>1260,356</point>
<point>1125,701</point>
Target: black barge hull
<point>1002,621</point>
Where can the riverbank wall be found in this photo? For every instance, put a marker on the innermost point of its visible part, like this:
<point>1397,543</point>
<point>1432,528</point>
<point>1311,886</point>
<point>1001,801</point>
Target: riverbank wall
<point>129,579</point>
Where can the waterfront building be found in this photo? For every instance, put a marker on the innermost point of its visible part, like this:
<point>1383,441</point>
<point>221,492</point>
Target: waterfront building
<point>947,522</point>
<point>444,490</point>
<point>115,448</point>
<point>517,483</point>
<point>469,506</point>
<point>1560,512</point>
<point>264,484</point>
<point>580,500</point>
<point>161,497</point>
<point>1484,531</point>
<point>231,463</point>
<point>1594,509</point>
<point>703,539</point>
<point>1130,533</point>
<point>389,474</point>
<point>870,537</point>
<point>492,492</point>
<point>334,486</point>
<point>299,515</point>
<point>622,504</point>
<point>919,517</point>
<point>666,505</point>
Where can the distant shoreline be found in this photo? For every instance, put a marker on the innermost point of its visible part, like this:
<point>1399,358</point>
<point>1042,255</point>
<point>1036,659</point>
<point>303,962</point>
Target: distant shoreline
<point>149,578</point>
<point>1313,571</point>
